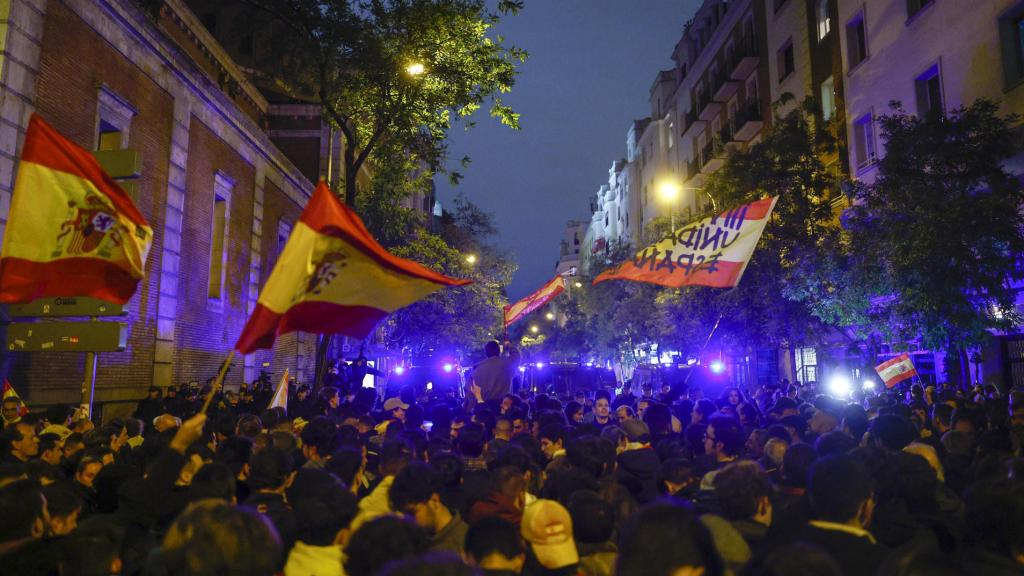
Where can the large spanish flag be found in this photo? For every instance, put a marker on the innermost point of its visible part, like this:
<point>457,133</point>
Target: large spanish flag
<point>539,298</point>
<point>711,252</point>
<point>333,278</point>
<point>72,231</point>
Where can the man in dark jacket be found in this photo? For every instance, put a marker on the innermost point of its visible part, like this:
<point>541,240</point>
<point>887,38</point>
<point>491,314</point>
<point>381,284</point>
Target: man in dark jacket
<point>639,464</point>
<point>268,474</point>
<point>150,407</point>
<point>842,497</point>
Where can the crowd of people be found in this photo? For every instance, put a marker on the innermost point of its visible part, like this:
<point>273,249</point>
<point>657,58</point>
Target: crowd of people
<point>780,480</point>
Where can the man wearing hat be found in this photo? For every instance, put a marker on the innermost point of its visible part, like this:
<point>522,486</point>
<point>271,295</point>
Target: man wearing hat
<point>638,463</point>
<point>547,527</point>
<point>394,410</point>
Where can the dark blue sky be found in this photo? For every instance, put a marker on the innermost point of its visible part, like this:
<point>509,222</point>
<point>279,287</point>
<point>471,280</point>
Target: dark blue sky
<point>591,66</point>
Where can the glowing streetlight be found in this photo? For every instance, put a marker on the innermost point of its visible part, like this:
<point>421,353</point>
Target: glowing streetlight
<point>578,284</point>
<point>471,259</point>
<point>415,69</point>
<point>669,192</point>
<point>534,329</point>
<point>549,316</point>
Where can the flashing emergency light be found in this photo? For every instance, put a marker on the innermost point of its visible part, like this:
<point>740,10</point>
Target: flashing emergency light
<point>522,368</point>
<point>840,385</point>
<point>399,370</point>
<point>869,384</point>
<point>539,365</point>
<point>717,367</point>
<point>448,367</point>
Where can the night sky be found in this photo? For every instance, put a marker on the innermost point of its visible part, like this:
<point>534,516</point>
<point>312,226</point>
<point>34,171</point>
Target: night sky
<point>591,66</point>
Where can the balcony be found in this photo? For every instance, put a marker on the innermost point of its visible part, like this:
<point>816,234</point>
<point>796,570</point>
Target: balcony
<point>713,156</point>
<point>710,111</point>
<point>726,88</point>
<point>744,60</point>
<point>748,121</point>
<point>691,122</point>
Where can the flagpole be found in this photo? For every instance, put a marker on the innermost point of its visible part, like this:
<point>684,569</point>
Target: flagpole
<point>218,382</point>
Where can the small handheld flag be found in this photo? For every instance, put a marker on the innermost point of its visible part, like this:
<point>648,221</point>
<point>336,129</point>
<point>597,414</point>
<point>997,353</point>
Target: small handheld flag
<point>72,230</point>
<point>539,298</point>
<point>894,371</point>
<point>280,398</point>
<point>711,252</point>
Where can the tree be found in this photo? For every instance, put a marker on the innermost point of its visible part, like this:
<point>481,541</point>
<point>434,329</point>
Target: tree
<point>395,72</point>
<point>786,295</point>
<point>939,233</point>
<point>464,316</point>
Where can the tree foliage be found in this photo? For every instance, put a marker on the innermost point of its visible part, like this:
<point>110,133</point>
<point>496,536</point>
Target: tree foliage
<point>939,233</point>
<point>353,58</point>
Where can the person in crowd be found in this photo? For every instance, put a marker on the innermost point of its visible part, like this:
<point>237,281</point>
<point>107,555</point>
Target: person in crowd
<point>601,415</point>
<point>151,406</point>
<point>494,375</point>
<point>666,540</point>
<point>394,456</point>
<point>593,519</point>
<point>744,498</point>
<point>841,493</point>
<point>638,463</point>
<point>723,443</point>
<point>495,547</point>
<point>416,492</point>
<point>551,549</point>
<point>19,443</point>
<point>269,474</point>
<point>381,541</point>
<point>323,516</point>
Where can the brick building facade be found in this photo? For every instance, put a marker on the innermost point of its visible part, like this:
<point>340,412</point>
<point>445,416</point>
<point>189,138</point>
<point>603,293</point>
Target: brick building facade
<point>220,196</point>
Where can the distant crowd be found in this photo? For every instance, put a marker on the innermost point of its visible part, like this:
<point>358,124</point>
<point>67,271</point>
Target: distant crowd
<point>780,480</point>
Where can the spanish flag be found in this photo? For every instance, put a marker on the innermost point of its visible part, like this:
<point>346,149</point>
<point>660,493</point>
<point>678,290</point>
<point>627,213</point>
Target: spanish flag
<point>333,278</point>
<point>72,231</point>
<point>710,252</point>
<point>542,296</point>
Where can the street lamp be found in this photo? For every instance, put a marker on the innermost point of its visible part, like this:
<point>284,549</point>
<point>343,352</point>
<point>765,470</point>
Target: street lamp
<point>415,69</point>
<point>471,259</point>
<point>668,192</point>
<point>534,329</point>
<point>578,284</point>
<point>549,316</point>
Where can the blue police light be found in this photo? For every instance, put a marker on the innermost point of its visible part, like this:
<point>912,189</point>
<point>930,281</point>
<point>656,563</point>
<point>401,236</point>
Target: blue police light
<point>522,368</point>
<point>448,367</point>
<point>840,386</point>
<point>540,365</point>
<point>399,370</point>
<point>717,367</point>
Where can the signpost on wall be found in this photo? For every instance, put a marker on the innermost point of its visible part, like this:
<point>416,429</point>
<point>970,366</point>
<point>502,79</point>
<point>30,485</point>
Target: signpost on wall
<point>89,337</point>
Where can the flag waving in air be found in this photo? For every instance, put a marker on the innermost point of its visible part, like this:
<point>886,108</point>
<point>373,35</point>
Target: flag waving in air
<point>333,278</point>
<point>72,230</point>
<point>711,252</point>
<point>894,371</point>
<point>280,398</point>
<point>539,298</point>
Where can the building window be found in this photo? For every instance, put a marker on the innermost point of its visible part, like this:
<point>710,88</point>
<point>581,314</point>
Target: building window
<point>828,99</point>
<point>915,6</point>
<point>1011,38</point>
<point>928,88</point>
<point>752,89</point>
<point>113,120</point>
<point>784,59</point>
<point>856,40</point>
<point>823,17</point>
<point>223,185</point>
<point>864,140</point>
<point>806,365</point>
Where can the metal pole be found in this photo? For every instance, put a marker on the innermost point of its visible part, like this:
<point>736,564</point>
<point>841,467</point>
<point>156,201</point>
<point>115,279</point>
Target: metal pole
<point>89,383</point>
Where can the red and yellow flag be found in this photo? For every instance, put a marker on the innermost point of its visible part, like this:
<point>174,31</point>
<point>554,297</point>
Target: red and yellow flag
<point>10,393</point>
<point>711,252</point>
<point>539,298</point>
<point>72,231</point>
<point>333,278</point>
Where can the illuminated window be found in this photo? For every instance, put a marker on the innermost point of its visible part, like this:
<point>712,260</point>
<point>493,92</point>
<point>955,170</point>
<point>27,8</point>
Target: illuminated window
<point>864,140</point>
<point>828,99</point>
<point>806,365</point>
<point>113,120</point>
<point>824,19</point>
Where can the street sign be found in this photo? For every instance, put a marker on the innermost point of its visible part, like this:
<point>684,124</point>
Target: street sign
<point>67,306</point>
<point>67,336</point>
